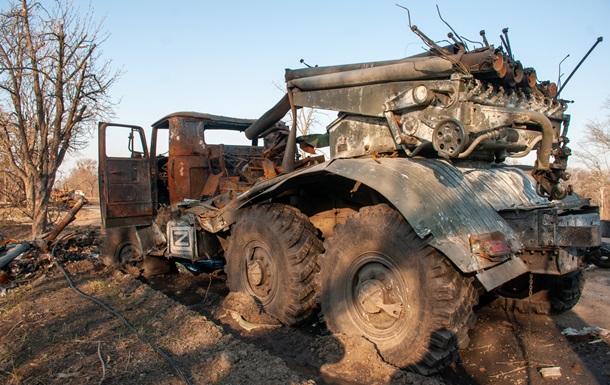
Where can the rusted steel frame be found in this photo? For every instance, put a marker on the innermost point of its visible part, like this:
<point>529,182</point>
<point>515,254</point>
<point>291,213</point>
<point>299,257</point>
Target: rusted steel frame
<point>66,220</point>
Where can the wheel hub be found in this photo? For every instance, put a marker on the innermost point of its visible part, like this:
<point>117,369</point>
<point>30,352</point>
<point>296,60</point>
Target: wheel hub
<point>260,269</point>
<point>376,293</point>
<point>129,253</point>
<point>255,273</point>
<point>370,296</point>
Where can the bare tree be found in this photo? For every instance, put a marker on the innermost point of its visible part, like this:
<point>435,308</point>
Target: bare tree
<point>53,87</point>
<point>84,177</point>
<point>594,153</point>
<point>11,188</point>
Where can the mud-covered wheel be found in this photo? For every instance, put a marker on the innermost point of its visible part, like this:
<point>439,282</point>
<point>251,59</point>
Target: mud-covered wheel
<point>121,248</point>
<point>383,282</point>
<point>552,294</point>
<point>272,255</point>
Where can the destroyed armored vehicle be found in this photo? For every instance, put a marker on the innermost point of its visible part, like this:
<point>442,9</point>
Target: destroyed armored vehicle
<point>415,215</point>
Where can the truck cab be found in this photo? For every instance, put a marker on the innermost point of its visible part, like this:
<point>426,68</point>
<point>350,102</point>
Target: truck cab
<point>141,187</point>
<point>136,182</point>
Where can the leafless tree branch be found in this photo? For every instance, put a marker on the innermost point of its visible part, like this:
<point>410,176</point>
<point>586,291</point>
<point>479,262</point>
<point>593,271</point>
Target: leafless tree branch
<point>593,179</point>
<point>53,88</point>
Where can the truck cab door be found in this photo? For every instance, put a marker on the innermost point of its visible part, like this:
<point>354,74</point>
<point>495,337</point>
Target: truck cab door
<point>124,176</point>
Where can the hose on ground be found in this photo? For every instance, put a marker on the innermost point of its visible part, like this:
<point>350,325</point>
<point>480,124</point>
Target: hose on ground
<point>115,313</point>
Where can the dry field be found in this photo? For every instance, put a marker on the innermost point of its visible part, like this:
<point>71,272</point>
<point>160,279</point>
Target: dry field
<point>51,335</point>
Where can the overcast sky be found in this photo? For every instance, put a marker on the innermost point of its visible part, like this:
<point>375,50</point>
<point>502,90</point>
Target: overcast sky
<point>227,57</point>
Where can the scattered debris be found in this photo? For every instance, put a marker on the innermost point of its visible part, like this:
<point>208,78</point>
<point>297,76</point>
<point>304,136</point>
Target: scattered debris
<point>249,326</point>
<point>67,197</point>
<point>586,332</point>
<point>552,372</point>
<point>13,251</point>
<point>23,258</point>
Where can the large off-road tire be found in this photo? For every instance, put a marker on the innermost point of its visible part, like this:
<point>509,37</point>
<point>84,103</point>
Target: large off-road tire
<point>552,294</point>
<point>272,254</point>
<point>383,282</point>
<point>567,291</point>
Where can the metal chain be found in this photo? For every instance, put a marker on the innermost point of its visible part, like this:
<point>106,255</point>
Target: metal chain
<point>529,298</point>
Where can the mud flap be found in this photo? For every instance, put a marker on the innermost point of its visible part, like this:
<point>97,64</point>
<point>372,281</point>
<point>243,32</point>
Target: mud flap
<point>497,275</point>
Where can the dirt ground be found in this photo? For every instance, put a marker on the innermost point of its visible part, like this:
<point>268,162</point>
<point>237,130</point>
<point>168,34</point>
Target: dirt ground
<point>51,335</point>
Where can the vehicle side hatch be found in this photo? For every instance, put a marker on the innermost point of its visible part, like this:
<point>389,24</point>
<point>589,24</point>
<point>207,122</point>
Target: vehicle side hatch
<point>124,176</point>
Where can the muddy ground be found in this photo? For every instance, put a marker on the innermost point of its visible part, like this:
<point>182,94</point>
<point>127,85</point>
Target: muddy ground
<point>51,335</point>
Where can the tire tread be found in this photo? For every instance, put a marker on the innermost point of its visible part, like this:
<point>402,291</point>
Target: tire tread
<point>301,249</point>
<point>453,296</point>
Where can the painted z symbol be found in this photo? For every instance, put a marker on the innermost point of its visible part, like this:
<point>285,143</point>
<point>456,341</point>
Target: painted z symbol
<point>181,238</point>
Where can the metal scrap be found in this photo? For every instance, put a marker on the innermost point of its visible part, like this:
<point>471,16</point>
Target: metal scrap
<point>249,326</point>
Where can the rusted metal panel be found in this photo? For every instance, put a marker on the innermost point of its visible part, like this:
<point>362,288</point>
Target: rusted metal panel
<point>125,183</point>
<point>512,189</point>
<point>197,170</point>
<point>551,227</point>
<point>492,278</point>
<point>550,262</point>
<point>357,135</point>
<point>189,158</point>
<point>211,185</point>
<point>579,230</point>
<point>605,228</point>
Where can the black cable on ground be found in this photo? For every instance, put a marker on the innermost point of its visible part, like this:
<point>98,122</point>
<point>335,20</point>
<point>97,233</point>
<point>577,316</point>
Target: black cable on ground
<point>116,314</point>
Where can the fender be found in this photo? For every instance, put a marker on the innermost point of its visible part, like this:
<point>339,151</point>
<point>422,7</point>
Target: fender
<point>435,198</point>
<point>456,208</point>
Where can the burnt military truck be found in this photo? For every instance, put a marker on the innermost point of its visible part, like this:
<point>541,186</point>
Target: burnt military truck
<point>415,215</point>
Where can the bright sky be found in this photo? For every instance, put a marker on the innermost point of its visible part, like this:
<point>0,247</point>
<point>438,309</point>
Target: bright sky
<point>226,57</point>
